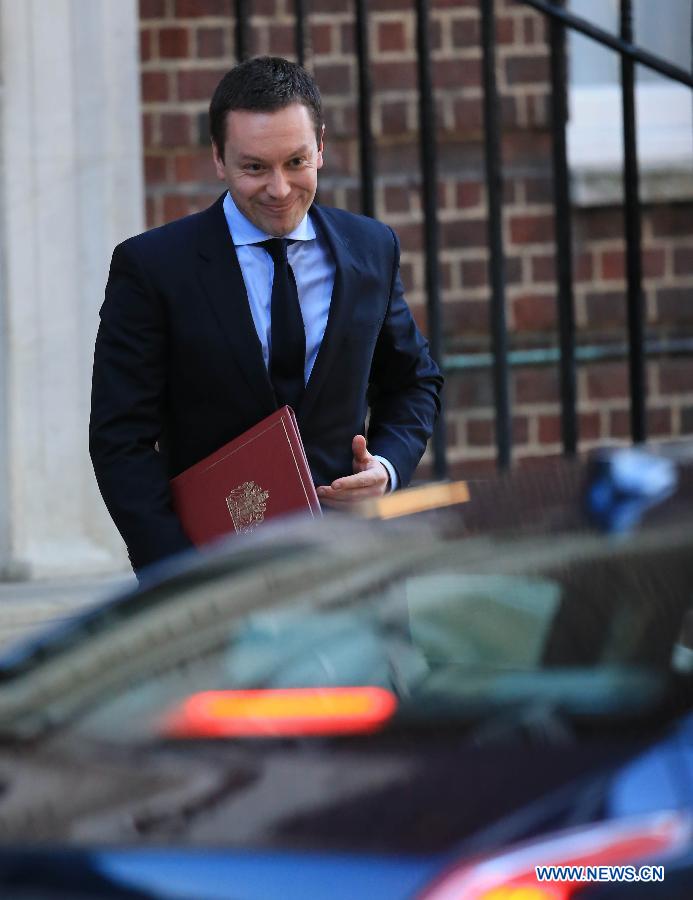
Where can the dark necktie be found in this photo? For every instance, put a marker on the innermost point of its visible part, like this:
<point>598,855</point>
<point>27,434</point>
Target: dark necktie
<point>288,336</point>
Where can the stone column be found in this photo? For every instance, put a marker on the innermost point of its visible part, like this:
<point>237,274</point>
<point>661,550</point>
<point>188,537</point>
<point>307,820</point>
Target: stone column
<point>70,189</point>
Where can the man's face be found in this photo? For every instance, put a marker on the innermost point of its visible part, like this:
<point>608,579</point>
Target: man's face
<point>271,162</point>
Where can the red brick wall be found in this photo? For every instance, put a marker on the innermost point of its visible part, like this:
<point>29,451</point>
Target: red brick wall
<point>186,45</point>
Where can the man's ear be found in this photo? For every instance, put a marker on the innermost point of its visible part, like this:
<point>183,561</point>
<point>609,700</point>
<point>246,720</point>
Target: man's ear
<point>218,163</point>
<point>321,147</point>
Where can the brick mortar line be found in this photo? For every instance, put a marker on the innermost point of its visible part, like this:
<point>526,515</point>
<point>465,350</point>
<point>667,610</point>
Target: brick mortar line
<point>447,215</point>
<point>189,23</point>
<point>452,295</point>
<point>539,289</point>
<point>523,51</point>
<point>337,58</point>
<point>335,19</point>
<point>537,208</point>
<point>457,54</point>
<point>531,247</point>
<point>170,66</point>
<point>397,56</point>
<point>402,95</point>
<point>175,107</point>
<point>464,254</point>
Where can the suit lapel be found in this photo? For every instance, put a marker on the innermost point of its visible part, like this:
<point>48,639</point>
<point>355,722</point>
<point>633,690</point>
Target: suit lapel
<point>223,284</point>
<point>341,307</point>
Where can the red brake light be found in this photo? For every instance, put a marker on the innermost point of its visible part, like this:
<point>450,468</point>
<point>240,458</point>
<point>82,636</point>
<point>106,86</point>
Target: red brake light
<point>511,874</point>
<point>280,713</point>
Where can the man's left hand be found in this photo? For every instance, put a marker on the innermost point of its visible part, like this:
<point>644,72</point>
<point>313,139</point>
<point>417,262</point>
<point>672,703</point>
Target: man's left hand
<point>370,478</point>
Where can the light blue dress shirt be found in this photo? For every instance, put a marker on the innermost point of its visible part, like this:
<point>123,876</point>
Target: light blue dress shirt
<point>314,271</point>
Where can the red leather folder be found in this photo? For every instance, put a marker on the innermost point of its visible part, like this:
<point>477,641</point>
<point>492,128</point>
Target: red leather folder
<point>261,474</point>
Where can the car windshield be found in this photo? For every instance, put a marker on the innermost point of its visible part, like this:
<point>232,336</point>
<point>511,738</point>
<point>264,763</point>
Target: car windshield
<point>454,624</point>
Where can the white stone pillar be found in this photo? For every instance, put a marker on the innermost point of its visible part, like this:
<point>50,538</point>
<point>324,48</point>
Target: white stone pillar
<point>71,188</point>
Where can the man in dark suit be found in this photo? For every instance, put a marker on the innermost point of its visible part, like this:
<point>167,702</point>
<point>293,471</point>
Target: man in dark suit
<point>210,323</point>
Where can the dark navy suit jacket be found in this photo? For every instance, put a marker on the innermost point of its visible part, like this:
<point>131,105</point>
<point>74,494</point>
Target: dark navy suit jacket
<point>178,367</point>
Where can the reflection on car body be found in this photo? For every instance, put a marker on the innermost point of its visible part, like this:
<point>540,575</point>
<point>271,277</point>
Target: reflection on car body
<point>398,700</point>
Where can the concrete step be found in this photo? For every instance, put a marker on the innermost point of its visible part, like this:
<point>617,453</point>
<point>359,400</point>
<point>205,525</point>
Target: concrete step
<point>27,606</point>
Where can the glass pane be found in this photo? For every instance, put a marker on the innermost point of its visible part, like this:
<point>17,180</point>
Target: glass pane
<point>662,29</point>
<point>667,34</point>
<point>590,63</point>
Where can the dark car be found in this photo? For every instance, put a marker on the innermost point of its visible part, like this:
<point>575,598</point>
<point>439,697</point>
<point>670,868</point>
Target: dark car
<point>492,700</point>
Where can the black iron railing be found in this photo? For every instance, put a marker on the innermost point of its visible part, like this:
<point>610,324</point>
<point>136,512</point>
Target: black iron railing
<point>494,188</point>
<point>560,20</point>
<point>365,131</point>
<point>429,187</point>
<point>501,359</point>
<point>242,29</point>
<point>564,240</point>
<point>427,128</point>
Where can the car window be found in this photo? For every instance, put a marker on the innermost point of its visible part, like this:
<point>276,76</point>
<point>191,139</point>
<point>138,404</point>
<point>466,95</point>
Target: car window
<point>453,627</point>
<point>587,624</point>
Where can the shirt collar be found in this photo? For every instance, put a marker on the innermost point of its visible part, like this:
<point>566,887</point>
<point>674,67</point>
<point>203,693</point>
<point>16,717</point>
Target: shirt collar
<point>244,232</point>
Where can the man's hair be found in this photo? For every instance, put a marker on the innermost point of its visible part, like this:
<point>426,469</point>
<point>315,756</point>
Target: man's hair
<point>262,84</point>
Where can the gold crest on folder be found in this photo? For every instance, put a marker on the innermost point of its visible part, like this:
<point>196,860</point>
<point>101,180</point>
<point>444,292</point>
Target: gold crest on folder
<point>247,504</point>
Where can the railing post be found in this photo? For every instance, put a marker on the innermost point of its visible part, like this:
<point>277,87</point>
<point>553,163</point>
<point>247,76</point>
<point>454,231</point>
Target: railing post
<point>242,35</point>
<point>496,260</point>
<point>564,242</point>
<point>607,39</point>
<point>300,18</point>
<point>633,230</point>
<point>429,191</point>
<point>365,133</point>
